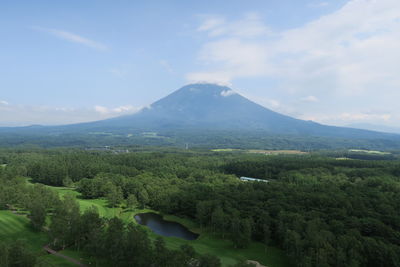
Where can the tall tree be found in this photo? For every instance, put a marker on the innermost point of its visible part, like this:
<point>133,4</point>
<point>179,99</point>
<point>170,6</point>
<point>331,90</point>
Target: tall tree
<point>65,222</point>
<point>143,197</point>
<point>138,248</point>
<point>131,201</point>
<point>37,215</point>
<point>114,242</point>
<point>114,196</point>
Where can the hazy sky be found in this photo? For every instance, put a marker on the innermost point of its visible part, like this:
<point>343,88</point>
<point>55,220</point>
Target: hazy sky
<point>332,61</point>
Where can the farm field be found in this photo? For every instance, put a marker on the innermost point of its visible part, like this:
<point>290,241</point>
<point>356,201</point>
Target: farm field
<point>369,151</point>
<point>277,152</point>
<point>261,151</point>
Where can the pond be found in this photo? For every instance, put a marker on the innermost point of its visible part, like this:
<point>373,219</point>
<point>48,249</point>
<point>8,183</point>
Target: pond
<point>165,228</point>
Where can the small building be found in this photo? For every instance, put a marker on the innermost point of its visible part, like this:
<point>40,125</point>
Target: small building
<point>249,179</point>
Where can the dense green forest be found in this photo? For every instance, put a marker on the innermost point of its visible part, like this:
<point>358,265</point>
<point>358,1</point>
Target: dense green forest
<point>246,139</point>
<point>322,210</point>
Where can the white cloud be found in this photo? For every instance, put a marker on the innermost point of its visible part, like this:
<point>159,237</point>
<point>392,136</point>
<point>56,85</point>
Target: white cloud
<point>221,78</point>
<point>363,116</point>
<point>72,37</point>
<point>339,51</point>
<point>309,98</point>
<point>117,110</point>
<point>165,64</point>
<point>249,26</point>
<point>231,58</point>
<point>227,93</point>
<point>346,118</point>
<point>20,115</point>
<point>211,23</point>
<point>119,72</point>
<point>3,103</point>
<point>319,4</point>
<point>350,56</point>
<point>101,109</point>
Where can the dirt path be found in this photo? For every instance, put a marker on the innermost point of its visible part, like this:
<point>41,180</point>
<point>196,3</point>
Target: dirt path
<point>55,253</point>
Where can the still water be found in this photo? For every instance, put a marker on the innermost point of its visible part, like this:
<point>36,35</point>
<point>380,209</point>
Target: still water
<point>165,228</point>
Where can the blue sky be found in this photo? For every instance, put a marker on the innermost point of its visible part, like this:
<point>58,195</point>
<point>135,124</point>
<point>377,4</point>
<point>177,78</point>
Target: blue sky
<point>332,61</point>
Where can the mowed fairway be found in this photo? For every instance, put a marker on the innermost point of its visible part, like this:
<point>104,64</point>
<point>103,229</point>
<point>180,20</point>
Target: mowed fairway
<point>14,227</point>
<point>99,204</point>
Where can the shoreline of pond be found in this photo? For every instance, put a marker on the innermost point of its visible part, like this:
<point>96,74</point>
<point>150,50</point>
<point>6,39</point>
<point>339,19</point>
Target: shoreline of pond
<point>167,228</point>
<point>186,222</point>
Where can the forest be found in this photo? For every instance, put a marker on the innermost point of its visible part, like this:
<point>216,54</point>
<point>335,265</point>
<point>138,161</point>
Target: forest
<point>41,136</point>
<point>322,210</point>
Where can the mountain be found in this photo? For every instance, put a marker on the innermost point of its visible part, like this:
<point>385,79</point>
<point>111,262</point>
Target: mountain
<point>214,107</point>
<point>204,106</point>
<point>213,115</point>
